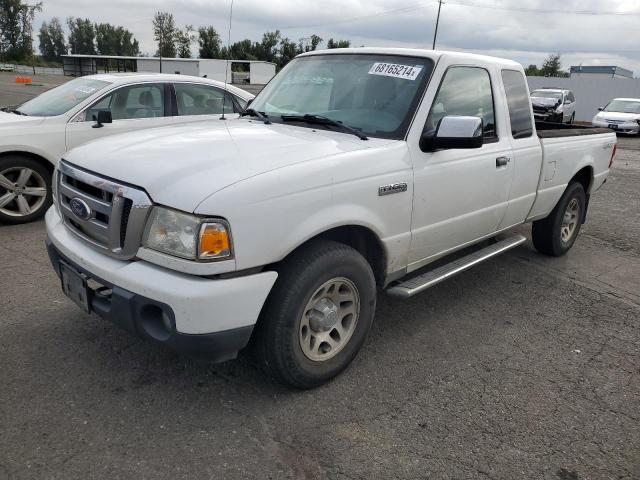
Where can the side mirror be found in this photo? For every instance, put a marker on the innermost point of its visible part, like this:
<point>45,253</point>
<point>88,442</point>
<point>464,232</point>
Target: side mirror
<point>104,116</point>
<point>453,132</point>
<point>600,109</point>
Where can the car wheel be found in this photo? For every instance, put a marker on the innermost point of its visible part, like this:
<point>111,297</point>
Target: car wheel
<point>317,316</point>
<point>572,118</point>
<point>25,192</point>
<point>556,234</point>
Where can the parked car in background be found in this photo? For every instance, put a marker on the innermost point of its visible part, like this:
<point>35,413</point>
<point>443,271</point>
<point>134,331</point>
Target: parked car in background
<point>34,135</point>
<point>351,170</point>
<point>621,115</point>
<point>553,105</point>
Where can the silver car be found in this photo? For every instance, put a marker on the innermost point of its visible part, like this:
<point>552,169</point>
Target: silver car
<point>621,115</point>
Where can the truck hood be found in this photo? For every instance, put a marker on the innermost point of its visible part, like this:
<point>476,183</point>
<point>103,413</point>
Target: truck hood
<point>545,102</point>
<point>9,120</point>
<point>180,166</point>
<point>619,116</point>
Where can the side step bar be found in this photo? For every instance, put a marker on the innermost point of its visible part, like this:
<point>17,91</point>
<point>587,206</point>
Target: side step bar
<point>420,283</point>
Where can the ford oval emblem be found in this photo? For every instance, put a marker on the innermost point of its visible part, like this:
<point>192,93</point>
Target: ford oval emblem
<point>80,208</point>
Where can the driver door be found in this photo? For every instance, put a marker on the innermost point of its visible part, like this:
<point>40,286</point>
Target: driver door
<point>133,107</point>
<point>460,195</point>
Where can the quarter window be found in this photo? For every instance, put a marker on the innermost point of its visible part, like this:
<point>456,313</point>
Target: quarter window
<point>519,103</point>
<point>465,91</point>
<point>135,101</point>
<point>194,99</point>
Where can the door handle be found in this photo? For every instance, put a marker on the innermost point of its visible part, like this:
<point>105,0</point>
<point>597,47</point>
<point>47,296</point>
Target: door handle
<point>502,161</point>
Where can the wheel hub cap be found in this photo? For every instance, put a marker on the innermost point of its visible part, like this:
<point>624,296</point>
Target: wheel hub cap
<point>329,319</point>
<point>324,315</point>
<point>570,220</point>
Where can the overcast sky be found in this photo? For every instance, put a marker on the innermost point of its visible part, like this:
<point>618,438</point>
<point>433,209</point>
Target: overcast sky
<point>588,32</point>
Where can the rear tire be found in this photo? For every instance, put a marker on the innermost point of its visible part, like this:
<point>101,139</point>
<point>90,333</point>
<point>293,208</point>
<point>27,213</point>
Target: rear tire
<point>317,316</point>
<point>25,189</point>
<point>572,118</point>
<point>556,234</point>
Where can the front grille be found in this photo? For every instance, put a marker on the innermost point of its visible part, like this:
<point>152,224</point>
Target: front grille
<point>538,109</point>
<point>108,215</point>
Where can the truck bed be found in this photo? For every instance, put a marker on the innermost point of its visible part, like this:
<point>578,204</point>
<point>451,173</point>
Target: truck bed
<point>559,130</point>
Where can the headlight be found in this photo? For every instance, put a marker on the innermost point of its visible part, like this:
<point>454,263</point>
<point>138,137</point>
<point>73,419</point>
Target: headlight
<point>187,236</point>
<point>560,109</point>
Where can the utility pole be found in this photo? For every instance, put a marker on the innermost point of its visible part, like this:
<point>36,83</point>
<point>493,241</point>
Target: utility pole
<point>435,34</point>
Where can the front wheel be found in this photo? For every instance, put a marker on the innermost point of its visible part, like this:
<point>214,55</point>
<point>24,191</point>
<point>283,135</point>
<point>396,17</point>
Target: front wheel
<point>556,234</point>
<point>317,316</point>
<point>25,192</point>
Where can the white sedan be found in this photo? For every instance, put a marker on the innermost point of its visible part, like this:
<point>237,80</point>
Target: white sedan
<point>34,135</point>
<point>621,115</point>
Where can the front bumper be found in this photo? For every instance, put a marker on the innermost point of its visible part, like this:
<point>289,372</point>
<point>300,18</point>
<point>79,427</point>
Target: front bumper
<point>548,117</point>
<point>199,316</point>
<point>627,127</point>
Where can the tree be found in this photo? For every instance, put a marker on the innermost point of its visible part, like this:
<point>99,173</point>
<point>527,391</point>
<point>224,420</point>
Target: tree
<point>16,29</point>
<point>52,42</point>
<point>209,41</point>
<point>270,46</point>
<point>288,51</point>
<point>164,32</point>
<point>338,43</point>
<point>184,38</point>
<point>309,44</point>
<point>82,36</point>
<point>115,40</point>
<point>552,67</point>
<point>531,71</point>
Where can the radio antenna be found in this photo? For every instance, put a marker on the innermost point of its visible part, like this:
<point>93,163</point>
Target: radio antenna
<point>226,70</point>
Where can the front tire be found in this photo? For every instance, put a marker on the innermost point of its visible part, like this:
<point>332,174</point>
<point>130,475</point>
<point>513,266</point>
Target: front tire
<point>317,316</point>
<point>556,234</point>
<point>25,189</point>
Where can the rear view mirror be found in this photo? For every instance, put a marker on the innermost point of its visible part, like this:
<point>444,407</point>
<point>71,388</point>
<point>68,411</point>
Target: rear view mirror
<point>103,116</point>
<point>453,132</point>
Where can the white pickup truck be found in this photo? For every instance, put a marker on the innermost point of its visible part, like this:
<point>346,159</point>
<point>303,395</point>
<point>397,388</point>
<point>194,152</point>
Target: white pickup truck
<point>351,172</point>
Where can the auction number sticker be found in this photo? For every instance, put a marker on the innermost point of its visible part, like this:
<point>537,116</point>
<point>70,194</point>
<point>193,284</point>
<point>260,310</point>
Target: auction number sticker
<point>408,72</point>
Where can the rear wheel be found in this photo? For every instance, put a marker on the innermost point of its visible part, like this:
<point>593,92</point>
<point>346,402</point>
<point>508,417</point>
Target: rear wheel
<point>317,316</point>
<point>572,118</point>
<point>25,192</point>
<point>556,234</point>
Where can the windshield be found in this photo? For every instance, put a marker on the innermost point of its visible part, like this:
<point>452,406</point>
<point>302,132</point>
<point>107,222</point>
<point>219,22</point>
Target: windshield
<point>60,99</point>
<point>546,94</point>
<point>376,94</point>
<point>623,106</point>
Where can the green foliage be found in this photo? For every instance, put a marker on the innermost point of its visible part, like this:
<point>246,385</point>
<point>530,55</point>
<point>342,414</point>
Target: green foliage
<point>184,38</point>
<point>52,41</point>
<point>16,29</point>
<point>164,32</point>
<point>551,67</point>
<point>82,36</point>
<point>209,41</point>
<point>115,40</point>
<point>338,43</point>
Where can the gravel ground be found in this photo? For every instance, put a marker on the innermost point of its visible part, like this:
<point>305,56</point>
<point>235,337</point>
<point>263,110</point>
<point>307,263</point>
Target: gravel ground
<point>523,367</point>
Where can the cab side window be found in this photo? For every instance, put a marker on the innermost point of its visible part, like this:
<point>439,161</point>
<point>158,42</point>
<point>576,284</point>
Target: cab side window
<point>518,102</point>
<point>135,101</point>
<point>465,91</point>
<point>570,97</point>
<point>194,99</point>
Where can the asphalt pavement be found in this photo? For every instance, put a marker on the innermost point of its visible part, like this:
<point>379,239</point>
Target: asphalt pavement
<point>523,367</point>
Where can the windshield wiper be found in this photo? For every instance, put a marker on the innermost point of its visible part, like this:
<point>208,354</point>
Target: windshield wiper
<point>322,120</point>
<point>254,113</point>
<point>18,112</point>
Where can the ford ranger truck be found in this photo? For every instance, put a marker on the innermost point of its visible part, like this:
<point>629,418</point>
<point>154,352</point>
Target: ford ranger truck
<point>350,173</point>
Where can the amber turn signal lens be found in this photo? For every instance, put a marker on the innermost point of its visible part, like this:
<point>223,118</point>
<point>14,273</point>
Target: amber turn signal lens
<point>214,241</point>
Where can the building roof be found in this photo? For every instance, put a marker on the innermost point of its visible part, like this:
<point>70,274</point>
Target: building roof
<point>603,69</point>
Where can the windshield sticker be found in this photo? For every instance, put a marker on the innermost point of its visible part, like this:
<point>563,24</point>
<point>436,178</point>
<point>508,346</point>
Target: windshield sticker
<point>407,72</point>
<point>85,89</point>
